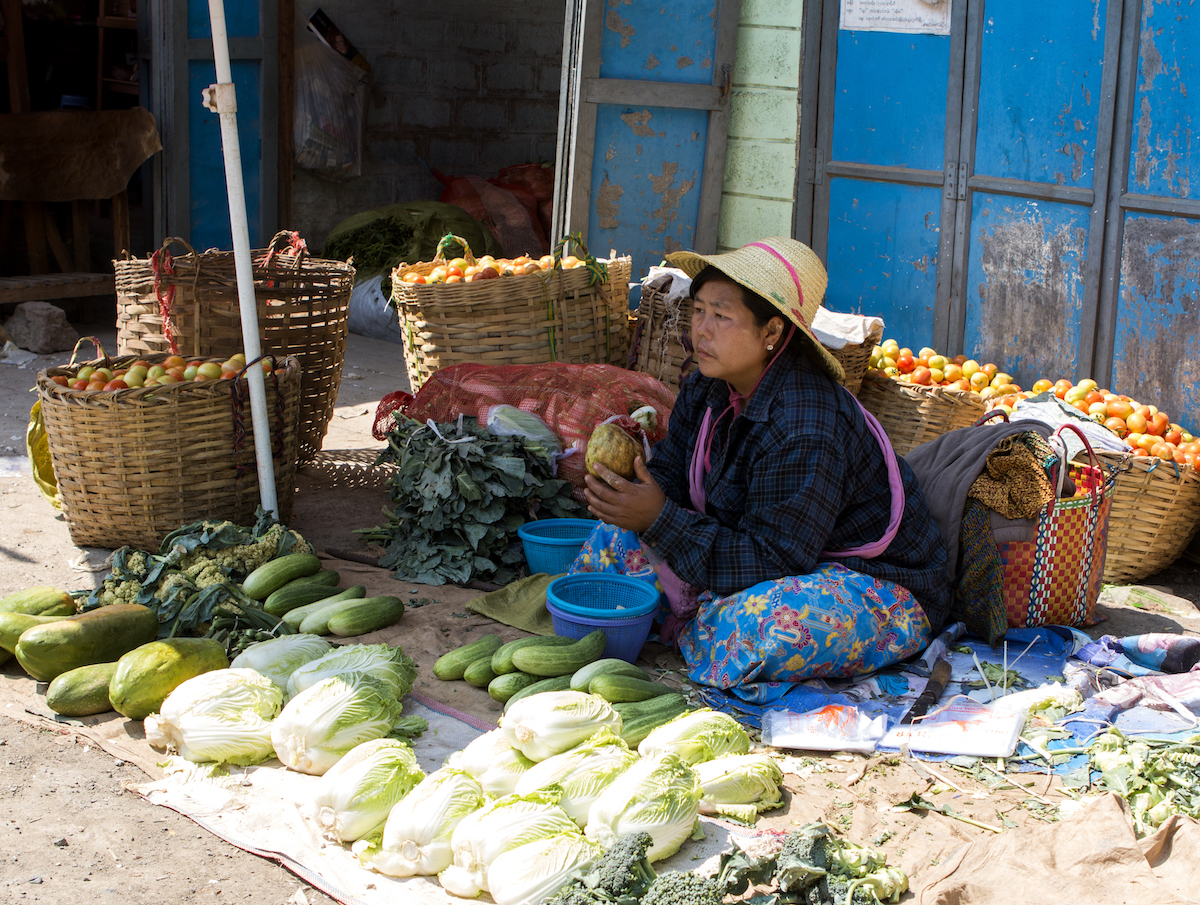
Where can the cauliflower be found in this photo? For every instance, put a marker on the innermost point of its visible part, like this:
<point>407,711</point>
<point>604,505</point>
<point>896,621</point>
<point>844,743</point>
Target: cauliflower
<point>204,573</point>
<point>242,559</point>
<point>116,591</point>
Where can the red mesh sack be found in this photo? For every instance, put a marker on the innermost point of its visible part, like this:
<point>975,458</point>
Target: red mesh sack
<point>572,399</point>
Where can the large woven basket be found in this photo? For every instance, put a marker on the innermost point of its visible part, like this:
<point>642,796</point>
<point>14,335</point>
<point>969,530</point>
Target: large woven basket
<point>912,414</point>
<point>1155,514</point>
<point>303,310</point>
<point>536,318</point>
<point>662,344</point>
<point>133,465</point>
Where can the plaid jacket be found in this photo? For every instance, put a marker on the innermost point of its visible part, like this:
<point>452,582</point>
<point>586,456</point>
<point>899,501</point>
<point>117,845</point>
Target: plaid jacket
<point>798,472</point>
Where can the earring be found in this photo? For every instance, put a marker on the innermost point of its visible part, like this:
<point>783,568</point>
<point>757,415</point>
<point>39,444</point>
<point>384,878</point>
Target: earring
<point>770,348</point>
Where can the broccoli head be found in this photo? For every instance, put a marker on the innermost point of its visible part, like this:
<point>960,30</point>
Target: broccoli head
<point>574,895</point>
<point>621,875</point>
<point>804,857</point>
<point>681,887</point>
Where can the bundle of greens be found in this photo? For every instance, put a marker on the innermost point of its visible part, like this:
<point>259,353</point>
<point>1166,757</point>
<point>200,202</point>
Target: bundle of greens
<point>196,572</point>
<point>461,494</point>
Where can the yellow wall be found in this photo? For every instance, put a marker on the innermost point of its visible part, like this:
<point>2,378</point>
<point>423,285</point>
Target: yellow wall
<point>760,162</point>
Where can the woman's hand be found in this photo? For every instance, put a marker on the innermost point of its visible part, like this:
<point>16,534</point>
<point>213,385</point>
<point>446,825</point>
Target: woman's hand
<point>626,504</point>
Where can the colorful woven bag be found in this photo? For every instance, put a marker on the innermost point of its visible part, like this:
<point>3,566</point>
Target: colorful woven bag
<point>1055,578</point>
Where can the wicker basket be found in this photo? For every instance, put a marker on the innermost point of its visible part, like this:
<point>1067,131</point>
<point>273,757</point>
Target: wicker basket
<point>1155,514</point>
<point>303,310</point>
<point>911,414</point>
<point>535,318</point>
<point>133,465</point>
<point>662,343</point>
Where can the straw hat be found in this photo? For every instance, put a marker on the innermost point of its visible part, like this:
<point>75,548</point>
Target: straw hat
<point>786,273</point>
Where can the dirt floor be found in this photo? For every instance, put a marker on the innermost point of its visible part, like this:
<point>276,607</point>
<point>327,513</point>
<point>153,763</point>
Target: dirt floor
<point>72,830</point>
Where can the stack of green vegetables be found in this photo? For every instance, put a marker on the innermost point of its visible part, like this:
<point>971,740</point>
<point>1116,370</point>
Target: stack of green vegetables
<point>554,790</point>
<point>461,493</point>
<point>1157,778</point>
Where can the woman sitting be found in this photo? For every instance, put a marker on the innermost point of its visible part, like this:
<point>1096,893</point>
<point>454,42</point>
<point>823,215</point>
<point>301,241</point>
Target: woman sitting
<point>789,538</point>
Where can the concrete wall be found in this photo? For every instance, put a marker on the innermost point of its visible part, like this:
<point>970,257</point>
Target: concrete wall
<point>464,86</point>
<point>760,164</point>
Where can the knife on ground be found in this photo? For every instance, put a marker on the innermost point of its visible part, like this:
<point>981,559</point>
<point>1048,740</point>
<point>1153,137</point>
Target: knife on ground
<point>933,690</point>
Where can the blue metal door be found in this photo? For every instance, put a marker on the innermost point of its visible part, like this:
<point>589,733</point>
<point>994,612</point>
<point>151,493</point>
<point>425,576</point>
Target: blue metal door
<point>883,179</point>
<point>192,177</point>
<point>642,143</point>
<point>1150,307</point>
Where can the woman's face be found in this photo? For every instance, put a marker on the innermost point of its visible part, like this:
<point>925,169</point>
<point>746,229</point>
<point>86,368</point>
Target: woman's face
<point>729,344</point>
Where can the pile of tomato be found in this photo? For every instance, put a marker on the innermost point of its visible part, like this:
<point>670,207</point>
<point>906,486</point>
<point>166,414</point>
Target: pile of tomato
<point>173,369</point>
<point>1148,431</point>
<point>460,270</point>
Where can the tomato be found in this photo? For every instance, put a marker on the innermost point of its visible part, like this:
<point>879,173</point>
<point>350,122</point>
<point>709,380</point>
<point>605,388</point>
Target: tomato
<point>1173,436</point>
<point>990,369</point>
<point>229,375</point>
<point>979,380</point>
<point>488,272</point>
<point>1190,459</point>
<point>921,361</point>
<point>921,376</point>
<point>1116,425</point>
<point>116,384</point>
<point>135,379</point>
<point>1148,442</point>
<point>454,278</point>
<point>209,370</point>
<point>970,368</point>
<point>959,360</point>
<point>1041,385</point>
<point>1097,408</point>
<point>927,353</point>
<point>174,361</point>
<point>1159,423</point>
<point>905,363</point>
<point>534,267</point>
<point>1118,408</point>
<point>953,372</point>
<point>412,277</point>
<point>60,380</point>
<point>1094,396</point>
<point>453,271</point>
<point>460,263</point>
<point>937,376</point>
<point>80,383</point>
<point>1088,384</point>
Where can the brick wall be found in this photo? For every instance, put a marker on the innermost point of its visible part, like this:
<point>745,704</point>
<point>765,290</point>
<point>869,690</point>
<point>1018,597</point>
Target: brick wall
<point>464,86</point>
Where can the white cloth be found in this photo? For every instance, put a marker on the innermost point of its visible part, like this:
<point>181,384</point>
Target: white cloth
<point>834,330</point>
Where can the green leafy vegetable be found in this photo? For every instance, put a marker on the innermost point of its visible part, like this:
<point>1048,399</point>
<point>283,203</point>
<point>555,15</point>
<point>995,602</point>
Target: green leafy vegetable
<point>1156,778</point>
<point>460,497</point>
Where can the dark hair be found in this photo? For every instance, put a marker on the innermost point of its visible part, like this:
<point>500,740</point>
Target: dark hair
<point>760,309</point>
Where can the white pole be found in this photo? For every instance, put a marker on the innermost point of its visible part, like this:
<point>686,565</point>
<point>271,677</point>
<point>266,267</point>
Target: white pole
<point>223,96</point>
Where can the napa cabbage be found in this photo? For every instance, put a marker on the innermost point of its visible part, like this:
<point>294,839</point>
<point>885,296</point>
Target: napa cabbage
<point>531,873</point>
<point>697,736</point>
<point>279,657</point>
<point>320,724</point>
<point>222,716</point>
<point>659,795</point>
<point>738,786</point>
<point>498,826</point>
<point>493,761</point>
<point>384,662</point>
<point>358,792</point>
<point>416,837</point>
<point>582,773</point>
<point>542,725</point>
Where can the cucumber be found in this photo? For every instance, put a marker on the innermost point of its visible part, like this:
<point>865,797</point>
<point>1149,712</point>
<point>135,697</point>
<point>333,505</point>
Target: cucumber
<point>326,577</point>
<point>98,636</point>
<point>480,673</point>
<point>82,691</point>
<point>147,674</point>
<point>641,718</point>
<point>300,613</point>
<point>295,594</point>
<point>12,624</point>
<point>609,666</point>
<point>561,661</point>
<point>360,617</point>
<point>502,688</point>
<point>40,601</point>
<point>625,689</point>
<point>557,683</point>
<point>273,575</point>
<point>502,658</point>
<point>454,664</point>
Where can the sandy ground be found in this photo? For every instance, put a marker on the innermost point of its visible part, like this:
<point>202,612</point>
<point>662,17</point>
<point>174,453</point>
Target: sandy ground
<point>72,831</point>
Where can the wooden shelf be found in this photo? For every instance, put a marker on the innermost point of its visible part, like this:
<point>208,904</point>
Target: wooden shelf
<point>55,286</point>
<point>117,22</point>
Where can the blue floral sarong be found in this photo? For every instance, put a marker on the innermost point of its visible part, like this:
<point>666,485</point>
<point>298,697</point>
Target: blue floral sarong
<point>831,623</point>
